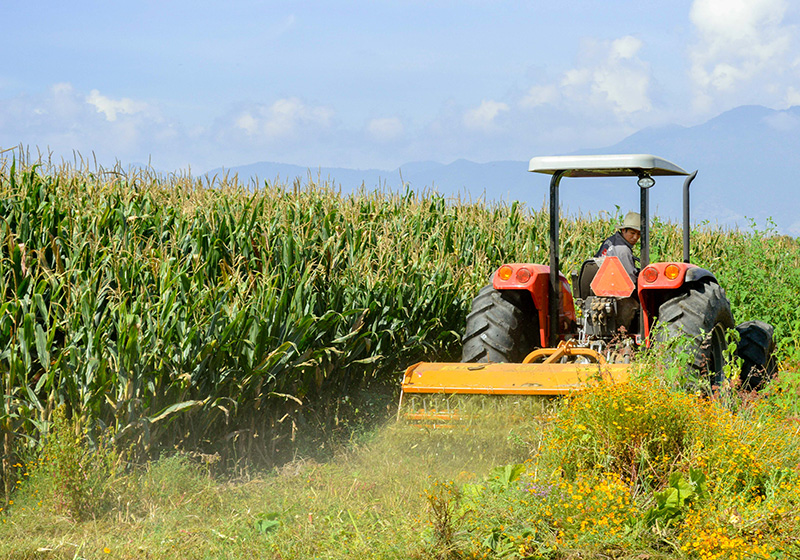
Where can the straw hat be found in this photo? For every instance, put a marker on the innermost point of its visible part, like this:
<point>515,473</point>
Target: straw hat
<point>632,221</point>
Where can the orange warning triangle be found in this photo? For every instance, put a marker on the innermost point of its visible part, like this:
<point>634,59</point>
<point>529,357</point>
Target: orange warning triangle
<point>612,280</point>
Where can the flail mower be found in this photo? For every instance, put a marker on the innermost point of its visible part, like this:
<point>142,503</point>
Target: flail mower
<point>530,333</point>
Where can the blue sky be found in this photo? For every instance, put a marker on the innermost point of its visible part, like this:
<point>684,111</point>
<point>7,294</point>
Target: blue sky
<point>377,84</point>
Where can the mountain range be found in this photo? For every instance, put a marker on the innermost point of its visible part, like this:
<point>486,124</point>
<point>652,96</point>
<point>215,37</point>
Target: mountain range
<point>746,160</point>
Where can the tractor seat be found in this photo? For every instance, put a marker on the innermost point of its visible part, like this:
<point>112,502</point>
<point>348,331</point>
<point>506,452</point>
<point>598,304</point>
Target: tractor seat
<point>582,289</point>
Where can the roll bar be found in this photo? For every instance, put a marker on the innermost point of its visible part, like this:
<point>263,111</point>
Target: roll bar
<point>624,165</point>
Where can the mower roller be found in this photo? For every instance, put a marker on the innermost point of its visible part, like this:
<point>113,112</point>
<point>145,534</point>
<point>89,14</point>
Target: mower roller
<point>529,333</point>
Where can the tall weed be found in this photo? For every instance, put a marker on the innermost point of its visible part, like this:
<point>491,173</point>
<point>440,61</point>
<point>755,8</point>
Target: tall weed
<point>70,477</point>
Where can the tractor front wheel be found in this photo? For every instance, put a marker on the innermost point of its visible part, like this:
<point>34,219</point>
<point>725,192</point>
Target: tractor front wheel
<point>502,326</point>
<point>703,314</point>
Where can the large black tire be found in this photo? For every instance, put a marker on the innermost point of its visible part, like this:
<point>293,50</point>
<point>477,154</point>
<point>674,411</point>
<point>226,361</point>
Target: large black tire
<point>703,313</point>
<point>755,348</point>
<point>502,326</point>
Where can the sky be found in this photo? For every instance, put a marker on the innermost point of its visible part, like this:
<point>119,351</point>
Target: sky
<point>375,84</point>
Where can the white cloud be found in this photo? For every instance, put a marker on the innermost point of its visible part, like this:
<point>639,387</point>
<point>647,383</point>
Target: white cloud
<point>625,48</point>
<point>63,120</point>
<point>61,88</point>
<point>111,107</point>
<point>613,78</point>
<point>576,77</point>
<point>740,43</point>
<point>62,103</point>
<point>540,95</point>
<point>482,117</point>
<point>281,119</point>
<point>792,96</point>
<point>622,79</point>
<point>385,129</point>
<point>247,122</point>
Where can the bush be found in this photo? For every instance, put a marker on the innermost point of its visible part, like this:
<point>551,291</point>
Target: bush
<point>638,430</point>
<point>71,477</point>
<point>643,466</point>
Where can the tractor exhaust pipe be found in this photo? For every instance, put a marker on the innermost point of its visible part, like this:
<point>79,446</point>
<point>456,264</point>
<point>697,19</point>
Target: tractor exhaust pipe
<point>686,225</point>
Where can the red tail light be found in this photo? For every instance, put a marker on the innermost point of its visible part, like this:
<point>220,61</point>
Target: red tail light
<point>650,275</point>
<point>523,275</point>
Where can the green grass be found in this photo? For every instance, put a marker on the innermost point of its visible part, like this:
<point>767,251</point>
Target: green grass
<point>603,473</point>
<point>368,501</point>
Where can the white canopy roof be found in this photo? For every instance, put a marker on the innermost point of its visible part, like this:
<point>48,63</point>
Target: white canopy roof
<point>617,165</point>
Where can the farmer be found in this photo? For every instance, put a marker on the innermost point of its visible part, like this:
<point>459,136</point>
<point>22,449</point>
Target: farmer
<point>621,244</point>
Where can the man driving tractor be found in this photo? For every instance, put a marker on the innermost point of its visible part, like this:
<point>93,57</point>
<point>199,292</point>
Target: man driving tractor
<point>622,242</point>
<point>621,245</point>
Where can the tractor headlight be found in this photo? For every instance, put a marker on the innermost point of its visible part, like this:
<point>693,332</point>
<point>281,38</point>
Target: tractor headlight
<point>646,181</point>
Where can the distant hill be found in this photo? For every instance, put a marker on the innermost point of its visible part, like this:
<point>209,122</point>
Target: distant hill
<point>746,160</point>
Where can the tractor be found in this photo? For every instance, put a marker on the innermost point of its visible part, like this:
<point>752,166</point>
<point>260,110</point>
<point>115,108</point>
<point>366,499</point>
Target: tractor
<point>530,333</point>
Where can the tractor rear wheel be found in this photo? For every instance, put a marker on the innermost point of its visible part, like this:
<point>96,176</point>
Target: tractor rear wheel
<point>703,313</point>
<point>755,349</point>
<point>502,326</point>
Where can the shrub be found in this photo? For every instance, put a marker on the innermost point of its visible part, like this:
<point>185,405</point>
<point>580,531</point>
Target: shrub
<point>72,477</point>
<point>639,430</point>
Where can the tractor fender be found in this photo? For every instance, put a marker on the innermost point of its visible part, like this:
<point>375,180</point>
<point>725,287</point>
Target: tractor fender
<point>658,287</point>
<point>695,274</point>
<point>671,276</point>
<point>534,278</point>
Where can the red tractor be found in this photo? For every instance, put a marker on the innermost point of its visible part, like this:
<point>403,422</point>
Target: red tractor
<point>529,333</point>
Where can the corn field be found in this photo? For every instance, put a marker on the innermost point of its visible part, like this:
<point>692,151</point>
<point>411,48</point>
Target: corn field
<point>203,314</point>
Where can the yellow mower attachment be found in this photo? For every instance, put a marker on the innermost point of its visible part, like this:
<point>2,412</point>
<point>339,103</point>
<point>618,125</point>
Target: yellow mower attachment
<point>546,371</point>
